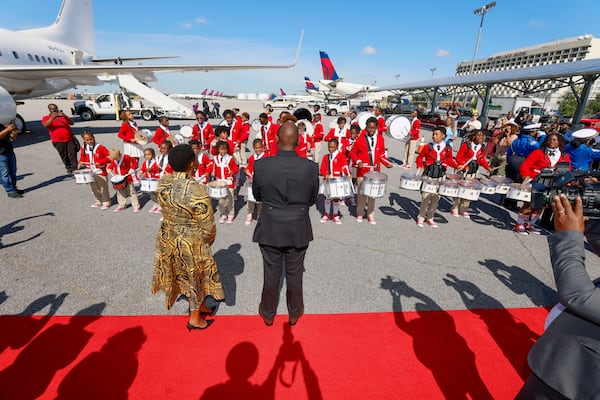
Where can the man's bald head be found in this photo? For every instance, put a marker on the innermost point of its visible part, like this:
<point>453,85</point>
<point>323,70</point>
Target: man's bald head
<point>287,136</point>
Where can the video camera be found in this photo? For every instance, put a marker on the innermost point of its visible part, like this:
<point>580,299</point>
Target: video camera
<point>553,182</point>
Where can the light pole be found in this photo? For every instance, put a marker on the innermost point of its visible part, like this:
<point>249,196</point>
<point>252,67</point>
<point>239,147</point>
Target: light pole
<point>432,71</point>
<point>480,11</point>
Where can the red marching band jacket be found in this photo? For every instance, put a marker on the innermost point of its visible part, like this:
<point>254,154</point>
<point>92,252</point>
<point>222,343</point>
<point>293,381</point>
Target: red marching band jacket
<point>251,160</point>
<point>336,167</point>
<point>205,166</point>
<point>538,160</point>
<point>160,135</point>
<point>149,169</point>
<point>95,158</point>
<point>126,165</point>
<point>268,135</point>
<point>225,169</point>
<point>127,132</point>
<point>361,151</point>
<point>465,155</point>
<point>203,134</point>
<point>428,156</point>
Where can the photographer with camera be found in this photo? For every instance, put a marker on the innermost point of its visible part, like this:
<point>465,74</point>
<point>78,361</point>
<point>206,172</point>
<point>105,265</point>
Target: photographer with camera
<point>565,360</point>
<point>547,156</point>
<point>59,128</point>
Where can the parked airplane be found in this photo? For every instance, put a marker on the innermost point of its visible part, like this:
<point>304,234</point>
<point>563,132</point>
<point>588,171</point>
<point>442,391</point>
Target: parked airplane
<point>332,81</point>
<point>43,61</point>
<point>319,91</point>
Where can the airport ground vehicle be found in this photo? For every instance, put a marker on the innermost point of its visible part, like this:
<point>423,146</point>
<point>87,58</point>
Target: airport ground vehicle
<point>106,104</point>
<point>500,106</point>
<point>339,107</point>
<point>280,102</point>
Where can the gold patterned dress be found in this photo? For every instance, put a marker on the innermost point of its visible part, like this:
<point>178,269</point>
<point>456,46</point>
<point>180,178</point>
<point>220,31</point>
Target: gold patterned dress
<point>183,261</point>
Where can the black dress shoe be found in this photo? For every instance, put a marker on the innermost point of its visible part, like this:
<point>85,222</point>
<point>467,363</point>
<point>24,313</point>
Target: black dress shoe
<point>15,195</point>
<point>268,322</point>
<point>208,323</point>
<point>20,191</point>
<point>294,320</point>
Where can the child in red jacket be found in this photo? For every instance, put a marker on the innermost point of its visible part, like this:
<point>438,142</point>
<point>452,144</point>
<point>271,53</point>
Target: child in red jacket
<point>334,164</point>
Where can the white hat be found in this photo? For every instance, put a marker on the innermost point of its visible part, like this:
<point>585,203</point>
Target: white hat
<point>532,127</point>
<point>585,133</point>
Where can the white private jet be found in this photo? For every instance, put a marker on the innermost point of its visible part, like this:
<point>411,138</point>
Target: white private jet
<point>43,61</point>
<point>336,84</point>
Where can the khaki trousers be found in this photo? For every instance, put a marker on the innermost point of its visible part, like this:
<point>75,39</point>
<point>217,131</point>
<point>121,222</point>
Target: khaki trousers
<point>361,200</point>
<point>409,152</point>
<point>128,191</point>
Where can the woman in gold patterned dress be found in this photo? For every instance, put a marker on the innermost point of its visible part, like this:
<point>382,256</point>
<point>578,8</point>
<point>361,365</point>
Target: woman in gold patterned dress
<point>183,261</point>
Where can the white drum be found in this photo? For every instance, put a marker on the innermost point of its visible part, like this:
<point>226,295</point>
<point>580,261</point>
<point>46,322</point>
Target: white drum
<point>469,190</point>
<point>255,125</point>
<point>410,182</point>
<point>502,183</point>
<point>363,117</point>
<point>454,177</point>
<point>217,189</point>
<point>186,131</point>
<point>83,176</point>
<point>398,126</point>
<point>119,182</point>
<point>338,187</point>
<point>488,186</point>
<point>373,184</point>
<point>149,185</point>
<point>519,193</point>
<point>430,185</point>
<point>249,194</point>
<point>448,188</point>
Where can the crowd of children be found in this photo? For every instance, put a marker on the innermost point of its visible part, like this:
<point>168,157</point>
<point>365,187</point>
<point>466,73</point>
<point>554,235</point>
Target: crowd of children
<point>351,154</point>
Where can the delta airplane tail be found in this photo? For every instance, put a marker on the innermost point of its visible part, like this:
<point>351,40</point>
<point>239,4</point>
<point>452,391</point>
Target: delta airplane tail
<point>329,73</point>
<point>309,84</point>
<point>74,26</point>
<point>282,92</point>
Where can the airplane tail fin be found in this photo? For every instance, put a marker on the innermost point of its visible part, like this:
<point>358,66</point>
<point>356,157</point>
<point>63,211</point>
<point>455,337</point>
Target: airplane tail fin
<point>282,92</point>
<point>329,72</point>
<point>74,26</point>
<point>309,84</point>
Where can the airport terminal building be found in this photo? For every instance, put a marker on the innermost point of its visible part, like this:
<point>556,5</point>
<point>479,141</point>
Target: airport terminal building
<point>565,50</point>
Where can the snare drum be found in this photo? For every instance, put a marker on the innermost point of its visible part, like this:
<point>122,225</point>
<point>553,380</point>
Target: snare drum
<point>469,190</point>
<point>83,176</point>
<point>373,184</point>
<point>149,185</point>
<point>448,188</point>
<point>519,193</point>
<point>454,177</point>
<point>488,186</point>
<point>410,182</point>
<point>119,182</point>
<point>430,185</point>
<point>217,189</point>
<point>502,183</point>
<point>338,187</point>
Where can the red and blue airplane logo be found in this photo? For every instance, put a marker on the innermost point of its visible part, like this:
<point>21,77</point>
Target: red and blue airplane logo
<point>329,73</point>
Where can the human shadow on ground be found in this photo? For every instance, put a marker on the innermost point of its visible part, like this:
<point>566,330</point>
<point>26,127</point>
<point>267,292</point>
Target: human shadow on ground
<point>56,179</point>
<point>513,337</point>
<point>107,373</point>
<point>522,282</point>
<point>230,264</point>
<point>409,209</point>
<point>241,364</point>
<point>497,216</point>
<point>25,325</point>
<point>13,227</point>
<point>50,351</point>
<point>436,343</point>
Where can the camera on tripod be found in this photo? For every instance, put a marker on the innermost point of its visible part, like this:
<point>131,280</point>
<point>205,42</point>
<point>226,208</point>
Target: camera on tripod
<point>553,182</point>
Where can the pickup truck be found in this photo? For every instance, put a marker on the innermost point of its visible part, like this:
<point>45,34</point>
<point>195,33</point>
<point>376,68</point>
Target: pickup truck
<point>279,102</point>
<point>105,105</point>
<point>339,107</point>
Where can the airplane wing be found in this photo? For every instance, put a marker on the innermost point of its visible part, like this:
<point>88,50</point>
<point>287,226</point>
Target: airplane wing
<point>120,60</point>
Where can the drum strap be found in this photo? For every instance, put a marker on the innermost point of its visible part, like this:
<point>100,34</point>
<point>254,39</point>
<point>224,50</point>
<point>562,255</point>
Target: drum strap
<point>119,164</point>
<point>371,148</point>
<point>201,133</point>
<point>90,151</point>
<point>263,133</point>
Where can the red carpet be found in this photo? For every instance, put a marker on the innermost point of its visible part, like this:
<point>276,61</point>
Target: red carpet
<point>478,354</point>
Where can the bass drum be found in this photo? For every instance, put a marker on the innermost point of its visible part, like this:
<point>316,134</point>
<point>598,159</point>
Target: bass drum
<point>309,126</point>
<point>363,117</point>
<point>186,131</point>
<point>255,125</point>
<point>398,126</point>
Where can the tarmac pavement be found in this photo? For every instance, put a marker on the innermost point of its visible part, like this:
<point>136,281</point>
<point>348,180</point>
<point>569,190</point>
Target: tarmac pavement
<point>52,242</point>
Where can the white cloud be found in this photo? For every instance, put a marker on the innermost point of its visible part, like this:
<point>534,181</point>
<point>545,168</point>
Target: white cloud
<point>442,53</point>
<point>368,50</point>
<point>195,21</point>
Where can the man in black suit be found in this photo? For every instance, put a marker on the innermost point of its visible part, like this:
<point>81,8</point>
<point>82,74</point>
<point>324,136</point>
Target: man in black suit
<point>565,361</point>
<point>288,186</point>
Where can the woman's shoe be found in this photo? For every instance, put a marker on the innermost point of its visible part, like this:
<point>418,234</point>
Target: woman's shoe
<point>208,323</point>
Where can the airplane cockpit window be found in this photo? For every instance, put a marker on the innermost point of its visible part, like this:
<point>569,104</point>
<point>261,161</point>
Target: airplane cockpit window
<point>37,58</point>
<point>30,57</point>
<point>15,54</point>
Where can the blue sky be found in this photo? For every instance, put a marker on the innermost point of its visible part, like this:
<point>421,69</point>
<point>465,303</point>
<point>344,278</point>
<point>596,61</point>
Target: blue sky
<point>394,41</point>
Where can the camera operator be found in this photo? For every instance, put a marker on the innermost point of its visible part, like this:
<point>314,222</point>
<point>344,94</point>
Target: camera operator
<point>565,361</point>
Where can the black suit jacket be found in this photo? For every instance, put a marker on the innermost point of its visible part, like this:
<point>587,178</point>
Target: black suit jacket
<point>288,186</point>
<point>567,356</point>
